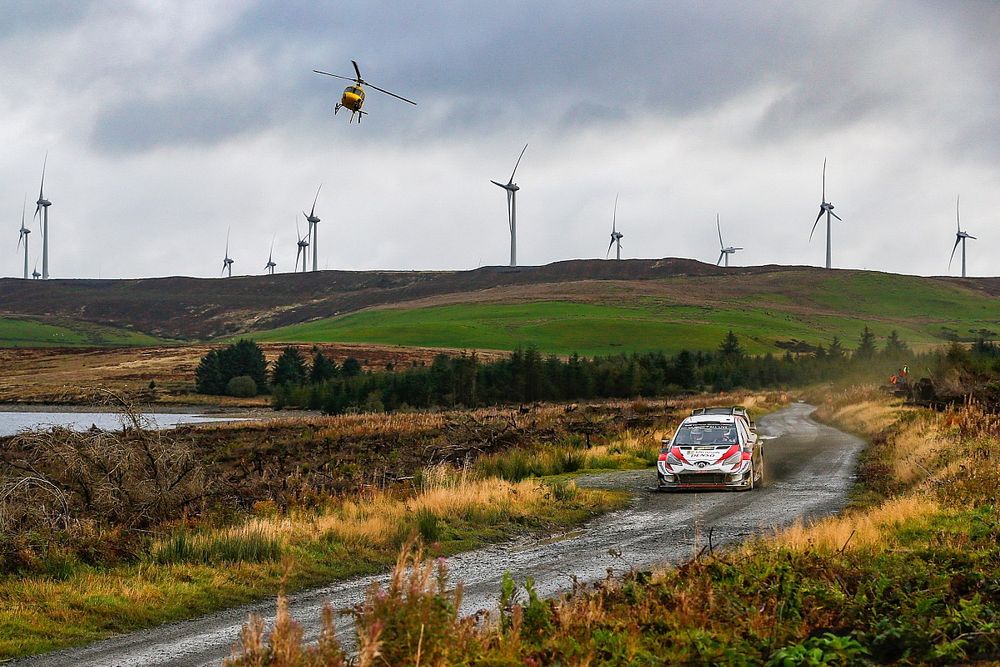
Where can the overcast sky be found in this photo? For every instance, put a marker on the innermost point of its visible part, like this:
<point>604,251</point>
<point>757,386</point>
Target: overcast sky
<point>168,123</point>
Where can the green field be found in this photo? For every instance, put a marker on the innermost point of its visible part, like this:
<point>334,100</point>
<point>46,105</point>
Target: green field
<point>808,307</point>
<point>16,332</point>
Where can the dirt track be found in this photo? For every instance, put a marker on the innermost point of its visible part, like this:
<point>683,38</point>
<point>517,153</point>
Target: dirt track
<point>809,471</point>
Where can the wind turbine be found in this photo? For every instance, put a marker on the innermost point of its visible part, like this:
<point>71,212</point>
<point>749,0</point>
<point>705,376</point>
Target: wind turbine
<point>42,206</point>
<point>269,267</point>
<point>227,263</point>
<point>960,237</point>
<point>313,225</point>
<point>724,252</point>
<point>511,188</point>
<point>825,207</point>
<point>35,275</point>
<point>303,247</point>
<point>23,236</point>
<point>616,236</point>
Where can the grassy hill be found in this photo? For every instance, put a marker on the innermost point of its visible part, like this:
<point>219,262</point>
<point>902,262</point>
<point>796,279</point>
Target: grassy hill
<point>19,332</point>
<point>770,312</point>
<point>585,306</point>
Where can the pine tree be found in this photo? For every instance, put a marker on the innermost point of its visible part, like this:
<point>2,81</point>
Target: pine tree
<point>836,351</point>
<point>351,367</point>
<point>323,369</point>
<point>208,376</point>
<point>730,347</point>
<point>894,346</point>
<point>244,358</point>
<point>290,369</point>
<point>866,345</point>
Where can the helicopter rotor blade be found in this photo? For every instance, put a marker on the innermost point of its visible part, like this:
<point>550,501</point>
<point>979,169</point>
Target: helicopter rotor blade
<point>336,76</point>
<point>517,163</point>
<point>383,90</point>
<point>357,71</point>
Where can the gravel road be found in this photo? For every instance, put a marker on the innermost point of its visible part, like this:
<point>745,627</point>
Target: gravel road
<point>809,469</point>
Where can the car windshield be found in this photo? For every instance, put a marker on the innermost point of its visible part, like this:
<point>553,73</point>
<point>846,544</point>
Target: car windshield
<point>706,434</point>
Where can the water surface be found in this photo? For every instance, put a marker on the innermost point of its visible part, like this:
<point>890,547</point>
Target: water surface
<point>15,422</point>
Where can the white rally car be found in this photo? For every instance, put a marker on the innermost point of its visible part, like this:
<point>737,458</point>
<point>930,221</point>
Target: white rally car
<point>714,448</point>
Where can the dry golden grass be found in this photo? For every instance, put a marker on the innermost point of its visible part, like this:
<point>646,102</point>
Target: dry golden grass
<point>375,518</point>
<point>860,530</point>
<point>922,452</point>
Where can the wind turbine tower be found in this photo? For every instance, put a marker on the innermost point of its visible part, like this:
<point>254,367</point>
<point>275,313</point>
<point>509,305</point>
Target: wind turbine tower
<point>827,208</point>
<point>23,237</point>
<point>724,251</point>
<point>303,244</point>
<point>269,267</point>
<point>960,237</point>
<point>227,263</point>
<point>42,206</point>
<point>511,188</point>
<point>616,236</point>
<point>313,226</point>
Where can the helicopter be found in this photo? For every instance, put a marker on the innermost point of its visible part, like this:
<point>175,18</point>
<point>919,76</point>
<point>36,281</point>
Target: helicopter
<point>354,95</point>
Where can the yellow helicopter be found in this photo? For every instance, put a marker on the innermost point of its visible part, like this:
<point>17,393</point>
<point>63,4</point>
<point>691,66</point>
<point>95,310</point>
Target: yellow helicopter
<point>354,95</point>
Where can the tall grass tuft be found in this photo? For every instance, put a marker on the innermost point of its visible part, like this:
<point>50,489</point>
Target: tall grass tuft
<point>248,543</point>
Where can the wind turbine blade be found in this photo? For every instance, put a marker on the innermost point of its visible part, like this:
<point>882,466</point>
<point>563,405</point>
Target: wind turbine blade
<point>311,212</point>
<point>614,216</point>
<point>970,237</point>
<point>510,221</point>
<point>718,225</point>
<point>719,261</point>
<point>824,180</point>
<point>517,163</point>
<point>815,223</point>
<point>357,70</point>
<point>958,220</point>
<point>953,249</point>
<point>41,188</point>
<point>500,184</point>
<point>227,242</point>
<point>836,216</point>
<point>610,245</point>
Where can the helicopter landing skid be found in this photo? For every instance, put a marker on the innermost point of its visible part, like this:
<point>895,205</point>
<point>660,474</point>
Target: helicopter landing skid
<point>354,112</point>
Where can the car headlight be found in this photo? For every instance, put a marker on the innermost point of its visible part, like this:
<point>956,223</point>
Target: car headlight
<point>734,459</point>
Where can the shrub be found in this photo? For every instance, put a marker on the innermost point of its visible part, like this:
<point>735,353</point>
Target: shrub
<point>241,386</point>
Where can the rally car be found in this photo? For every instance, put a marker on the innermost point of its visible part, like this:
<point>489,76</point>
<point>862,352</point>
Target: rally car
<point>714,448</point>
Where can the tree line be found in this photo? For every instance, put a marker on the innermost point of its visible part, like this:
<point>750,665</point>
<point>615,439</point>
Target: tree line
<point>527,375</point>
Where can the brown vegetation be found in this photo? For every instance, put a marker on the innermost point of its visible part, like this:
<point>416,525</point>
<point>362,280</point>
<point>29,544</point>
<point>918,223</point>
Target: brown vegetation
<point>77,376</point>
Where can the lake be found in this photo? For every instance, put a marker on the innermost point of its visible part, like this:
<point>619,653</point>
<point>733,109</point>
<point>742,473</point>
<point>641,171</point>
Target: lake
<point>14,422</point>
